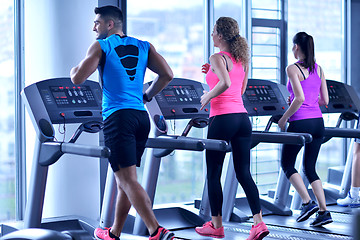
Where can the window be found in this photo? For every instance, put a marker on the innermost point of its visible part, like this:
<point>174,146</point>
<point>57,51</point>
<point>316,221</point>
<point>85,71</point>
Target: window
<point>265,54</point>
<point>228,8</point>
<point>7,118</point>
<point>266,39</point>
<point>326,28</point>
<point>267,31</point>
<point>176,31</point>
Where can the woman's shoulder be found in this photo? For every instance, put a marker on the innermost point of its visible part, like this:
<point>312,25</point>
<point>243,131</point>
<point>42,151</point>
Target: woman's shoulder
<point>291,67</point>
<point>215,57</point>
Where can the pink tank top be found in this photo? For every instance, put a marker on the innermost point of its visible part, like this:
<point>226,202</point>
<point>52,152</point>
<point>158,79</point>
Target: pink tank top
<point>231,100</point>
<point>311,88</point>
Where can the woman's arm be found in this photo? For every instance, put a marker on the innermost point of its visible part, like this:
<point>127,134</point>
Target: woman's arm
<point>324,94</point>
<point>219,68</point>
<point>243,89</point>
<point>299,98</point>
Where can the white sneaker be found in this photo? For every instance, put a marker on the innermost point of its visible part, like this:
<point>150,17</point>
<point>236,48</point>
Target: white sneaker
<point>349,201</point>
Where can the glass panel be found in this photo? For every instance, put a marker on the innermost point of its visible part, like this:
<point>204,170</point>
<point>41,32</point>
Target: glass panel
<point>177,32</point>
<point>326,28</point>
<point>264,154</point>
<point>265,39</point>
<point>228,8</point>
<point>267,74</point>
<point>265,30</point>
<point>265,53</point>
<point>263,13</point>
<point>268,9</point>
<point>266,4</point>
<point>265,62</point>
<point>266,36</point>
<point>7,104</point>
<point>265,50</point>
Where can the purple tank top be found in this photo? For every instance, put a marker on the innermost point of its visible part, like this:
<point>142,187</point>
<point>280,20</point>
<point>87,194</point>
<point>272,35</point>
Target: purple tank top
<point>311,88</point>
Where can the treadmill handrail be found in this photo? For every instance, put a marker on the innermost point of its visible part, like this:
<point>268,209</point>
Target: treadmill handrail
<point>280,137</point>
<point>52,151</point>
<point>172,142</point>
<point>86,150</point>
<point>342,132</point>
<point>186,143</point>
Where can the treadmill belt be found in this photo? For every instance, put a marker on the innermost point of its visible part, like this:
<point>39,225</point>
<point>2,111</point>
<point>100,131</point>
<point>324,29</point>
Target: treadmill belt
<point>238,231</point>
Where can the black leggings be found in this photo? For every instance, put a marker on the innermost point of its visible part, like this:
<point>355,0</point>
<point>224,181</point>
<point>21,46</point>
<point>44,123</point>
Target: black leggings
<point>314,126</point>
<point>236,129</point>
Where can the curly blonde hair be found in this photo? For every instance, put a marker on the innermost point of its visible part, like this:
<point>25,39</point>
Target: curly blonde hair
<point>229,29</point>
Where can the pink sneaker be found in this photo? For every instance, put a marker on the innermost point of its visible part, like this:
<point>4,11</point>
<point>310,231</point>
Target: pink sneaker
<point>258,232</point>
<point>100,233</point>
<point>208,230</point>
<point>162,234</point>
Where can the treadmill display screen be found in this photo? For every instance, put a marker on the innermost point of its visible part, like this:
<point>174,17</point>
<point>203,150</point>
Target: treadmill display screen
<point>260,93</point>
<point>336,93</point>
<point>67,97</point>
<point>184,94</point>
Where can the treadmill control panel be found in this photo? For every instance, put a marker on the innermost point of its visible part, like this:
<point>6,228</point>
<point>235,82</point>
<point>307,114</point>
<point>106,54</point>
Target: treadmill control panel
<point>265,98</point>
<point>58,100</point>
<point>179,100</point>
<point>179,94</point>
<point>261,93</point>
<point>342,98</point>
<point>68,97</point>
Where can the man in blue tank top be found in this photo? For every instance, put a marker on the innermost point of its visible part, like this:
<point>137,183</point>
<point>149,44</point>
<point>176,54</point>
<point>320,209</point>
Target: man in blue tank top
<point>122,62</point>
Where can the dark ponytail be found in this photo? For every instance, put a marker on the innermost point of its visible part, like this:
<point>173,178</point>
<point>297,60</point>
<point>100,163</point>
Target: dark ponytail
<point>306,44</point>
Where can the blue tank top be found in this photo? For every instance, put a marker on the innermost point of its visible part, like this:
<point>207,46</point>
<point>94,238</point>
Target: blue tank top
<point>122,70</point>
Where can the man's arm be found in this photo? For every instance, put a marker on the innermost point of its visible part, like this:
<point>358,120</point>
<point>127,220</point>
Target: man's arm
<point>88,65</point>
<point>158,65</point>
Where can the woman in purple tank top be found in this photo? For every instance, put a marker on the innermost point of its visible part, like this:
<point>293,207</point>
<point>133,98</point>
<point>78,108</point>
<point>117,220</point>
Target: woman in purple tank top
<point>308,90</point>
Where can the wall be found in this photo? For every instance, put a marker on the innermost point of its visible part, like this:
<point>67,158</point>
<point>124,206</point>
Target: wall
<point>57,35</point>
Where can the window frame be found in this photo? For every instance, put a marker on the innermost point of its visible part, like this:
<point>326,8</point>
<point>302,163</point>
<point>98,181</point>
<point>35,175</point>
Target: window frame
<point>280,24</point>
<point>20,153</point>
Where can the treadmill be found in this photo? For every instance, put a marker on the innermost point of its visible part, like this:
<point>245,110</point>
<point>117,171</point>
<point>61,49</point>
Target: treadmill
<point>57,101</point>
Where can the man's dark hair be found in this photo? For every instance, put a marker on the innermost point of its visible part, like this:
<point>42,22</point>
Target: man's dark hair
<point>110,13</point>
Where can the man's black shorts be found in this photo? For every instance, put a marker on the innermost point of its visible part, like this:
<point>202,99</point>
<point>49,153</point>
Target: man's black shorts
<point>126,132</point>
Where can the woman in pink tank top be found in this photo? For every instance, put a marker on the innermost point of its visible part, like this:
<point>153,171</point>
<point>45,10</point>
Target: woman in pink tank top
<point>308,90</point>
<point>226,76</point>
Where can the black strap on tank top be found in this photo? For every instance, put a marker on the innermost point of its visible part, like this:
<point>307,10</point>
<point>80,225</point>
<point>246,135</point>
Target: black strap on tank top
<point>300,70</point>
<point>227,68</point>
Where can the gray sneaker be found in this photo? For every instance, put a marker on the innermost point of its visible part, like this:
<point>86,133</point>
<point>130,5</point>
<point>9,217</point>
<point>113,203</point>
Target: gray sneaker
<point>307,210</point>
<point>321,219</point>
